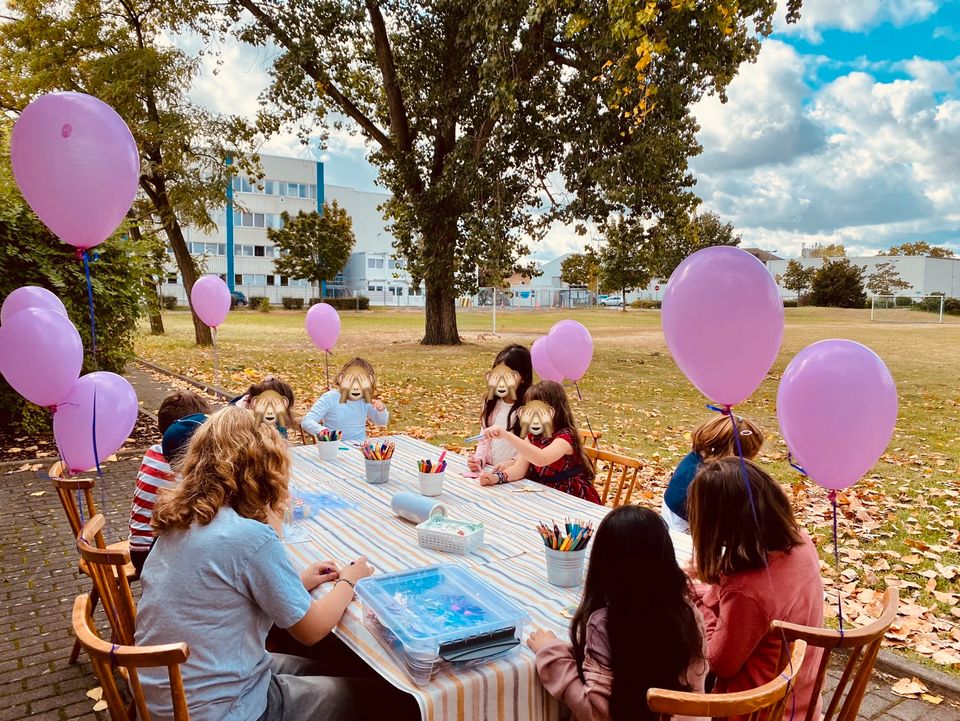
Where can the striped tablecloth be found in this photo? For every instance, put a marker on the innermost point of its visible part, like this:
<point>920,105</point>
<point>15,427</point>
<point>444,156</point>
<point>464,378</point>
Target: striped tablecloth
<point>511,559</point>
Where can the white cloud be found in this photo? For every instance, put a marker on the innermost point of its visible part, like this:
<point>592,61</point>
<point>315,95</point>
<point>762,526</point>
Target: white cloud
<point>886,170</point>
<point>854,16</point>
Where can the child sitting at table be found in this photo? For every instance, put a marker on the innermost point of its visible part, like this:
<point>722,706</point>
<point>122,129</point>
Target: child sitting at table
<point>711,440</point>
<point>548,449</point>
<point>219,577</point>
<point>272,399</point>
<point>636,627</point>
<point>507,382</point>
<point>155,474</point>
<point>347,407</point>
<point>755,564</point>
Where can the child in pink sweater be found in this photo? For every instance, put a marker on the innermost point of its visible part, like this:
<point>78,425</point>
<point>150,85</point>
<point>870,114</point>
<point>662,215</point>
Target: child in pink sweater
<point>757,566</point>
<point>507,383</point>
<point>636,627</point>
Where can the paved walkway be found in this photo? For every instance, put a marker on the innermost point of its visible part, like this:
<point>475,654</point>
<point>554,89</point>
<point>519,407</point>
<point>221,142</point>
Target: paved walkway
<point>39,582</point>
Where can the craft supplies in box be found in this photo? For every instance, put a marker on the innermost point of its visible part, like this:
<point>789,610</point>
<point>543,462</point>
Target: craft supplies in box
<point>439,616</point>
<point>414,507</point>
<point>447,534</point>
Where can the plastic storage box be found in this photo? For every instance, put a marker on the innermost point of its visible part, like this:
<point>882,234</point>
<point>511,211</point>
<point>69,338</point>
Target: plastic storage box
<point>439,616</point>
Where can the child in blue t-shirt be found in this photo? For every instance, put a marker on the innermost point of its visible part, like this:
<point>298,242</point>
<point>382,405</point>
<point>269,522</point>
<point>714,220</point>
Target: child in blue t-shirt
<point>347,407</point>
<point>712,440</point>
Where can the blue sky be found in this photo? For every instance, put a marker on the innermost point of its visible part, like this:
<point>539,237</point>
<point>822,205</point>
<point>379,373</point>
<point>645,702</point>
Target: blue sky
<point>846,129</point>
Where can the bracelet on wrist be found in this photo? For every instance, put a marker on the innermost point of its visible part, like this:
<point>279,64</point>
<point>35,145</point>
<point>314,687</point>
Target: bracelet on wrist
<point>348,582</point>
<point>501,477</point>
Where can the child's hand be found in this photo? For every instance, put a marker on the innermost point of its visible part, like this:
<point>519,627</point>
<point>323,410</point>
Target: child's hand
<point>503,466</point>
<point>318,573</point>
<point>493,432</point>
<point>378,404</point>
<point>539,639</point>
<point>473,463</point>
<point>357,570</point>
<point>488,479</point>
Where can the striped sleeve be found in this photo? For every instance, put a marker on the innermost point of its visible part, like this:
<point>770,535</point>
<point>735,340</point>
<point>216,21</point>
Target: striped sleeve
<point>153,477</point>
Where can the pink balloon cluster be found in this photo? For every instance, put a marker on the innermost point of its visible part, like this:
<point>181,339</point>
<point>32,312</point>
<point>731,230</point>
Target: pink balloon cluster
<point>41,356</point>
<point>564,353</point>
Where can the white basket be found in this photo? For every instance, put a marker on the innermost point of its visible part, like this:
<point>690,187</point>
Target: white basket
<point>444,534</point>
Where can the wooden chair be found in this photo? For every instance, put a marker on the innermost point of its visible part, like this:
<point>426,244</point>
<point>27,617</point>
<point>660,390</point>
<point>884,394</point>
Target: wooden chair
<point>766,702</point>
<point>105,656</point>
<point>307,439</point>
<point>588,438</point>
<point>626,470</point>
<point>107,567</point>
<point>863,644</point>
<point>68,491</point>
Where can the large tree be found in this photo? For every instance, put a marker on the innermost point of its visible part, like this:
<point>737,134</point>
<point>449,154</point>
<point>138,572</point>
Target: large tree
<point>626,261</point>
<point>314,246</point>
<point>117,50</point>
<point>797,277</point>
<point>581,269</point>
<point>886,280</point>
<point>830,250</point>
<point>921,247</point>
<point>472,108</point>
<point>838,283</point>
<point>673,240</point>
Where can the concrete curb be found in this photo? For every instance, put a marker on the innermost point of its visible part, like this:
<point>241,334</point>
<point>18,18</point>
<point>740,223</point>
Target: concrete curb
<point>937,681</point>
<point>213,390</point>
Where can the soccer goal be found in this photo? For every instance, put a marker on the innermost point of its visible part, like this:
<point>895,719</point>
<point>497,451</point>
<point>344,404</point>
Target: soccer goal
<point>907,308</point>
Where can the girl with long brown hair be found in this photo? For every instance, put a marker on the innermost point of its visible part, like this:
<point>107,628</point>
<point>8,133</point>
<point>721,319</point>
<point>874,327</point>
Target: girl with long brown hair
<point>549,449</point>
<point>219,577</point>
<point>756,565</point>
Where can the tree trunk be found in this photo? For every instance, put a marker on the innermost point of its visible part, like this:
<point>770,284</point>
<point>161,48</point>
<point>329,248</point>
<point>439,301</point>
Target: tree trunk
<point>154,299</point>
<point>623,299</point>
<point>441,323</point>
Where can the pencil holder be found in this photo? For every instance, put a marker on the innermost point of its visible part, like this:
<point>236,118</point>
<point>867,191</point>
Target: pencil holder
<point>565,568</point>
<point>377,471</point>
<point>431,484</point>
<point>328,449</point>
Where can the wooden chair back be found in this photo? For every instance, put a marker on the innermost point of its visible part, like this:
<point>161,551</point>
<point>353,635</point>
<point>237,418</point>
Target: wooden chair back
<point>105,656</point>
<point>307,439</point>
<point>72,492</point>
<point>590,438</point>
<point>622,472</point>
<point>766,702</point>
<point>863,645</point>
<point>108,569</point>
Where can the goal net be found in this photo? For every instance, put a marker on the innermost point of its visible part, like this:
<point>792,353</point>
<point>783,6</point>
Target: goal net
<point>907,308</point>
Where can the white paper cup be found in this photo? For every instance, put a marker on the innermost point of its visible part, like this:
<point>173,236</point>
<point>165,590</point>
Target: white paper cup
<point>565,568</point>
<point>431,484</point>
<point>328,449</point>
<point>377,471</point>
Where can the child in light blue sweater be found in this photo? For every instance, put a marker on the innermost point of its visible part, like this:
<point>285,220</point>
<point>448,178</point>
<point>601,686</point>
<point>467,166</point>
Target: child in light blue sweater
<point>347,407</point>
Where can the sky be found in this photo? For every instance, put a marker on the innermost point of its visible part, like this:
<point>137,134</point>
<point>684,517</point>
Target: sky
<point>845,130</point>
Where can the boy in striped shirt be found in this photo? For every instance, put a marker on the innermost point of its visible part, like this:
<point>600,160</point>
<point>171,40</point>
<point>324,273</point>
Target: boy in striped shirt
<point>180,414</point>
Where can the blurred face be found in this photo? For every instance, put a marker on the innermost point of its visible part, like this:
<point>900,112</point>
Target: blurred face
<point>536,418</point>
<point>269,406</point>
<point>355,385</point>
<point>502,383</point>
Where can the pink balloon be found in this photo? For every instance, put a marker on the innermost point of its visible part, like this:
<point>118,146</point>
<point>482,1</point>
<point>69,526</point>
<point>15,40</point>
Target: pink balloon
<point>41,355</point>
<point>116,414</point>
<point>77,166</point>
<point>323,325</point>
<point>31,296</point>
<point>570,348</point>
<point>837,406</point>
<point>723,322</point>
<point>210,300</point>
<point>542,363</point>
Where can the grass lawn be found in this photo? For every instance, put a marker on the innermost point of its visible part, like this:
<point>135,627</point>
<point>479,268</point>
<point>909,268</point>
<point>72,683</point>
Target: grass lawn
<point>900,524</point>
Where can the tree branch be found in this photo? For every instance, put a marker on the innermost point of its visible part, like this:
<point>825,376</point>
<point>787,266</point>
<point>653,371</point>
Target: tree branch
<point>399,122</point>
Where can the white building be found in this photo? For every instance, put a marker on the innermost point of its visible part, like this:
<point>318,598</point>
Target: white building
<point>240,252</point>
<point>925,275</point>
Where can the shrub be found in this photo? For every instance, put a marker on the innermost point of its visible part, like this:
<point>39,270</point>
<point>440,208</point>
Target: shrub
<point>903,302</point>
<point>293,303</point>
<point>349,303</point>
<point>170,302</point>
<point>838,284</point>
<point>259,302</point>
<point>645,304</point>
<point>790,303</point>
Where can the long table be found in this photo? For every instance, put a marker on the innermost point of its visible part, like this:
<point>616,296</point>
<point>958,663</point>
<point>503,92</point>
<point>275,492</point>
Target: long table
<point>511,559</point>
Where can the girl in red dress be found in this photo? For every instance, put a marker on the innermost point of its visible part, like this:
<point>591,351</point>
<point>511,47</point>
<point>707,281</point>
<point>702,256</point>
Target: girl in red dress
<point>548,447</point>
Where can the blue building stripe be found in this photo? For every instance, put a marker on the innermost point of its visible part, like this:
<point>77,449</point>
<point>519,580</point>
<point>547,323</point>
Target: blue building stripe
<point>230,283</point>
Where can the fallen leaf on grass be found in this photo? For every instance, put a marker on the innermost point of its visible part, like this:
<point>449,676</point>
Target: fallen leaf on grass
<point>100,705</point>
<point>37,494</point>
<point>946,658</point>
<point>908,688</point>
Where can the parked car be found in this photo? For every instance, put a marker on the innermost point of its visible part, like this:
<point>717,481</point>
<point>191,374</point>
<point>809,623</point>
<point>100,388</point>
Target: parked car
<point>237,298</point>
<point>612,301</point>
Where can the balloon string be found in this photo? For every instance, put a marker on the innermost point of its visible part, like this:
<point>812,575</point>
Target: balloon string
<point>213,342</point>
<point>593,435</point>
<point>836,557</point>
<point>326,366</point>
<point>93,323</point>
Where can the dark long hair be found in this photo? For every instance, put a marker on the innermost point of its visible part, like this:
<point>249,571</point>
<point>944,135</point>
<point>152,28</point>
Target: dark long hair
<point>517,358</point>
<point>552,393</point>
<point>728,534</point>
<point>651,627</point>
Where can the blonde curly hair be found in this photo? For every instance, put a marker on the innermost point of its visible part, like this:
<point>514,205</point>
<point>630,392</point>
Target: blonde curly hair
<point>231,461</point>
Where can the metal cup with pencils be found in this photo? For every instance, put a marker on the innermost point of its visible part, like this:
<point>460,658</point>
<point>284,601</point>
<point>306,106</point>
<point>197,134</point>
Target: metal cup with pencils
<point>432,474</point>
<point>565,551</point>
<point>377,456</point>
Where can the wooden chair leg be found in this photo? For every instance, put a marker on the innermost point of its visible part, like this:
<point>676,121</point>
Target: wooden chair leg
<point>75,653</point>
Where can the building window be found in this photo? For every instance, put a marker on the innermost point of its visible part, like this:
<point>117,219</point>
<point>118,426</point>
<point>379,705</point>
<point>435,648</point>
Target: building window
<point>375,263</point>
<point>259,279</point>
<point>247,250</point>
<point>259,221</point>
<point>284,280</point>
<point>413,291</point>
<point>269,251</point>
<point>237,279</point>
<point>196,248</point>
<point>172,279</point>
<point>258,251</point>
<point>242,185</point>
<point>396,291</point>
<point>270,280</point>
